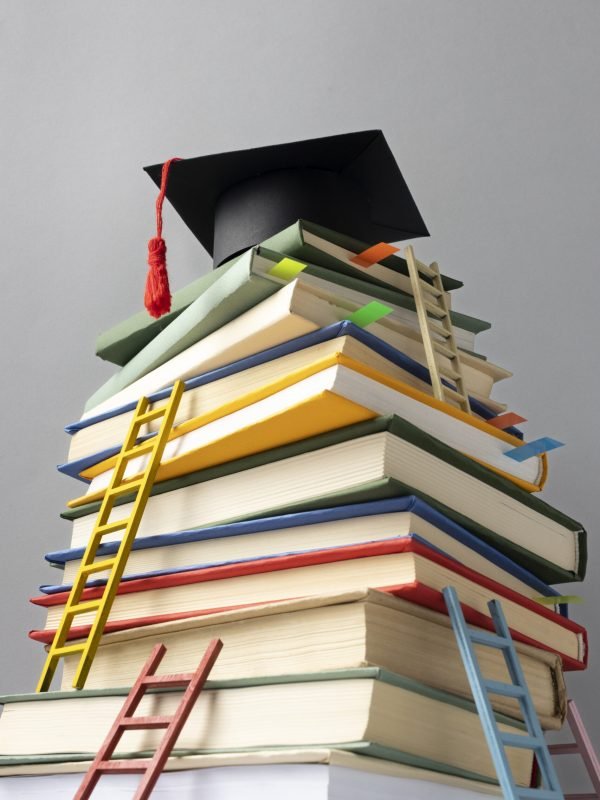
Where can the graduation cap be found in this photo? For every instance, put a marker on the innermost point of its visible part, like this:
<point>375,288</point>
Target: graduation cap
<point>350,183</point>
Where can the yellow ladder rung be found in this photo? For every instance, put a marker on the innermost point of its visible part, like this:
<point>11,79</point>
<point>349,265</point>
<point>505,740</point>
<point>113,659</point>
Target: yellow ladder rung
<point>97,566</point>
<point>67,650</point>
<point>452,374</point>
<point>439,330</point>
<point>452,393</point>
<point>425,269</point>
<point>150,416</point>
<point>429,287</point>
<point>110,527</point>
<point>83,608</point>
<point>125,488</point>
<point>140,449</point>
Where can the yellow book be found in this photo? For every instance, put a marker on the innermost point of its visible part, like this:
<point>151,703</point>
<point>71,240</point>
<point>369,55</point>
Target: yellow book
<point>332,392</point>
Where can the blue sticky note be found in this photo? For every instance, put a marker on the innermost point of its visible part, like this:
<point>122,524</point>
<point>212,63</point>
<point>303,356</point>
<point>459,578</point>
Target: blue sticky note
<point>534,448</point>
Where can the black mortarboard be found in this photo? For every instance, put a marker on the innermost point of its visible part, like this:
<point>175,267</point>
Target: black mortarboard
<point>350,183</point>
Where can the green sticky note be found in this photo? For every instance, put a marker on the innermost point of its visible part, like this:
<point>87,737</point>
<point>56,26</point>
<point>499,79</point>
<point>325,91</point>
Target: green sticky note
<point>370,313</point>
<point>287,269</point>
<point>554,600</point>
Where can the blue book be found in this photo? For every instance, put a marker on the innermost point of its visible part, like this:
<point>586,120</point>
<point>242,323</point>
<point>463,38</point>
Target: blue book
<point>437,532</point>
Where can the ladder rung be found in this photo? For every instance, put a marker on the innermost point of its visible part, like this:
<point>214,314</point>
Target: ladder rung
<point>425,269</point>
<point>505,689</point>
<point>439,330</point>
<point>429,287</point>
<point>67,649</point>
<point>171,681</point>
<point>83,608</point>
<point>125,488</point>
<point>132,766</point>
<point>453,394</point>
<point>139,449</point>
<point>98,566</point>
<point>149,416</point>
<point>435,308</point>
<point>110,527</point>
<point>543,794</point>
<point>521,741</point>
<point>443,350</point>
<point>568,749</point>
<point>450,373</point>
<point>489,639</point>
<point>141,723</point>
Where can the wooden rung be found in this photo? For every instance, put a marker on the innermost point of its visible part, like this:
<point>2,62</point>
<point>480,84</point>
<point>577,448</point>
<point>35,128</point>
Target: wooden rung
<point>168,681</point>
<point>452,393</point>
<point>439,330</point>
<point>137,723</point>
<point>450,373</point>
<point>433,290</point>
<point>435,309</point>
<point>98,566</point>
<point>443,350</point>
<point>425,269</point>
<point>134,766</point>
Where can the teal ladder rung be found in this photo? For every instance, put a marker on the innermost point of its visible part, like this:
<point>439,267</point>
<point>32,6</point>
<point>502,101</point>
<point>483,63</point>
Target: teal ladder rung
<point>481,688</point>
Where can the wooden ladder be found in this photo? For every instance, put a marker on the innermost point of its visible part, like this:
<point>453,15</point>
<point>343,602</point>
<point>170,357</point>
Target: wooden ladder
<point>150,768</point>
<point>118,487</point>
<point>431,302</point>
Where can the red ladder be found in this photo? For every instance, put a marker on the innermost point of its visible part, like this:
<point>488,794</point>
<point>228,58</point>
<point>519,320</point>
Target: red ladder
<point>582,746</point>
<point>151,768</point>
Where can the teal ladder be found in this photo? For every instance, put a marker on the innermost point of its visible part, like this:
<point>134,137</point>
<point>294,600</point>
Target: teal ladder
<point>481,688</point>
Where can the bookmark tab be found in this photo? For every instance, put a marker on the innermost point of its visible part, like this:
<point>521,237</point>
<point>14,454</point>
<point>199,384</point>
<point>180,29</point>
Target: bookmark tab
<point>368,314</point>
<point>287,269</point>
<point>372,255</point>
<point>504,421</point>
<point>559,599</point>
<point>535,448</point>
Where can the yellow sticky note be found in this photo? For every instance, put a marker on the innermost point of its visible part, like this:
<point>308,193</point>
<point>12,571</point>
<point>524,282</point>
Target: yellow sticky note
<point>287,269</point>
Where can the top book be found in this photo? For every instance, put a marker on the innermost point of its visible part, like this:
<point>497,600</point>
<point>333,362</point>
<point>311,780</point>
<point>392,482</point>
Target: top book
<point>302,240</point>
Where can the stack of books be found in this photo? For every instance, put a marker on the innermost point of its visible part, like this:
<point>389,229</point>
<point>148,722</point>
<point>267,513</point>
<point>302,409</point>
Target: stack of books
<point>312,503</point>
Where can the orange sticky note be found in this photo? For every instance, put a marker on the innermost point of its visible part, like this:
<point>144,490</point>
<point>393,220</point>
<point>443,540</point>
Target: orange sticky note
<point>504,421</point>
<point>374,254</point>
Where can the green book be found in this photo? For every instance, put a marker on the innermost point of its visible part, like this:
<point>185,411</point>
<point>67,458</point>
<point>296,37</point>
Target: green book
<point>366,710</point>
<point>384,457</point>
<point>123,341</point>
<point>239,286</point>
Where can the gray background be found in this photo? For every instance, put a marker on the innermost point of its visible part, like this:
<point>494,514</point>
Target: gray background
<point>490,108</point>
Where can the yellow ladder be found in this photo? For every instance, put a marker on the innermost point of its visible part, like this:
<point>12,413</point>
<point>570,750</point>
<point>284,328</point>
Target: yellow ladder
<point>115,566</point>
<point>431,302</point>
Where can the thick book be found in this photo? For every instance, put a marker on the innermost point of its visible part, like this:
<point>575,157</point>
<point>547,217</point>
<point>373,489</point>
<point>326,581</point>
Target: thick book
<point>404,566</point>
<point>324,248</point>
<point>352,708</point>
<point>380,458</point>
<point>329,393</point>
<point>226,301</point>
<point>216,386</point>
<point>292,533</point>
<point>308,774</point>
<point>333,631</point>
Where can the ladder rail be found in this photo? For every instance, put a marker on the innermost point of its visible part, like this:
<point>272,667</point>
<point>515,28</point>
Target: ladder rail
<point>103,525</point>
<point>582,746</point>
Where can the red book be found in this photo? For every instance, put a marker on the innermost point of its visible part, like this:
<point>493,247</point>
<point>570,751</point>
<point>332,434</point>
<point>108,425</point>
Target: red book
<point>404,567</point>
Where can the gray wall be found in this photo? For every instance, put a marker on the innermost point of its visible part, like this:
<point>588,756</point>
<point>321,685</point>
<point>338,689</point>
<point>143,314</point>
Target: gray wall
<point>490,108</point>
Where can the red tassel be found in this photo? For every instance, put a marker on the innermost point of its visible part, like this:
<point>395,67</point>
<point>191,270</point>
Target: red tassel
<point>157,297</point>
